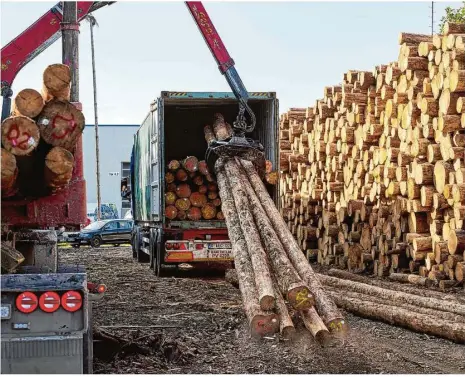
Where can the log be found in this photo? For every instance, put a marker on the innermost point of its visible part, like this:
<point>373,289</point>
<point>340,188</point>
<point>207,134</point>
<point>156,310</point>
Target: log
<point>209,135</point>
<point>257,254</point>
<point>20,135</point>
<point>11,258</point>
<point>56,82</point>
<point>315,325</point>
<point>410,278</point>
<point>393,296</point>
<point>456,241</point>
<point>326,308</point>
<point>286,327</point>
<point>28,102</point>
<point>221,128</point>
<point>261,322</point>
<point>59,165</point>
<point>398,316</point>
<point>9,173</point>
<point>61,124</point>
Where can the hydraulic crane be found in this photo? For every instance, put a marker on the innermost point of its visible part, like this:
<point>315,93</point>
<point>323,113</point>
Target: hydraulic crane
<point>46,30</point>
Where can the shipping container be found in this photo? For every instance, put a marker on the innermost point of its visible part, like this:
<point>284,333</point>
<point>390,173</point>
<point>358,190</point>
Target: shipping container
<point>173,130</point>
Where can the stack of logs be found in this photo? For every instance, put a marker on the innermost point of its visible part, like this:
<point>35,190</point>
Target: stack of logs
<point>373,176</point>
<point>271,268</point>
<point>191,191</point>
<point>39,138</point>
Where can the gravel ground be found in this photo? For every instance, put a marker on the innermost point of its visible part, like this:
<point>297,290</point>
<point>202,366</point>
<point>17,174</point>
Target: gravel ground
<point>193,325</point>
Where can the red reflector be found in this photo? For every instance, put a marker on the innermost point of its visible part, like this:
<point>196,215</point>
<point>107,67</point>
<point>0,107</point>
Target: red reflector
<point>199,246</point>
<point>49,302</point>
<point>169,246</point>
<point>101,288</point>
<point>27,302</point>
<point>71,301</point>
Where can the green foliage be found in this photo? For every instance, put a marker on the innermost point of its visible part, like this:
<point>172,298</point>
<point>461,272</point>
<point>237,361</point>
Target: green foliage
<point>453,15</point>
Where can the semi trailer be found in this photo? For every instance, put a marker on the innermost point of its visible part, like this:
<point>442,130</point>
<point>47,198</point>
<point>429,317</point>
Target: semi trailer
<point>171,130</point>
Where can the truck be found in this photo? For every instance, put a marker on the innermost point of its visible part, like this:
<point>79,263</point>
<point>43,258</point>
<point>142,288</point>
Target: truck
<point>172,129</point>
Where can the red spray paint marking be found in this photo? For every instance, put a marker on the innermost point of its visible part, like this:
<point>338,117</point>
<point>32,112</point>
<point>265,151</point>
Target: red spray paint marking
<point>13,136</point>
<point>71,126</point>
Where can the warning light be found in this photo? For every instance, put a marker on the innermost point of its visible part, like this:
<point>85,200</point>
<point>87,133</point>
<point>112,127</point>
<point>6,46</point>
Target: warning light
<point>101,288</point>
<point>71,301</point>
<point>49,302</point>
<point>27,302</point>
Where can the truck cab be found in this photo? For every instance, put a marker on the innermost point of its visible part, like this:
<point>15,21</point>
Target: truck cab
<point>172,130</point>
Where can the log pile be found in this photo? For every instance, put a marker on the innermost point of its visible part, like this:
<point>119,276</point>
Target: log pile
<point>372,177</point>
<point>271,269</point>
<point>39,138</point>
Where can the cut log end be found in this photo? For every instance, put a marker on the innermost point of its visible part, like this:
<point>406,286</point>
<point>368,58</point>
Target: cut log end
<point>264,325</point>
<point>300,297</point>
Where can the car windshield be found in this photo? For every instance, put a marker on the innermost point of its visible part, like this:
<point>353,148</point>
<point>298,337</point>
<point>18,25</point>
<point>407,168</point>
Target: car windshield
<point>95,225</point>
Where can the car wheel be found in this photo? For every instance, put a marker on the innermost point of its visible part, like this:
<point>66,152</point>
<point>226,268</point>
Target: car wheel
<point>95,242</point>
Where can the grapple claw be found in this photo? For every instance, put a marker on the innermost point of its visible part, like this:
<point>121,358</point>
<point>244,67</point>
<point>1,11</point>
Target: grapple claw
<point>240,147</point>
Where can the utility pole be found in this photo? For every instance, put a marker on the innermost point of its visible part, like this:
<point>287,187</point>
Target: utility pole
<point>93,22</point>
<point>70,45</point>
<point>432,17</point>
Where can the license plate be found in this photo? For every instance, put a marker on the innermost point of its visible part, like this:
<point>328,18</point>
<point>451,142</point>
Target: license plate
<point>219,245</point>
<point>220,254</point>
<point>6,311</point>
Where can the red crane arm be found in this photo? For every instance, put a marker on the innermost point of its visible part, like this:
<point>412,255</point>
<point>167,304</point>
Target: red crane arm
<point>35,39</point>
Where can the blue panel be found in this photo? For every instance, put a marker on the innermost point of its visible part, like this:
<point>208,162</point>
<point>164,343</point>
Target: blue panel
<point>216,95</point>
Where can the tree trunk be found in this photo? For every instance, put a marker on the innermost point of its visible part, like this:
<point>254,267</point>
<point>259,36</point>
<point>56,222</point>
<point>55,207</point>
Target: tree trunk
<point>315,325</point>
<point>456,242</point>
<point>59,165</point>
<point>61,124</point>
<point>286,327</point>
<point>221,128</point>
<point>326,308</point>
<point>261,322</point>
<point>410,278</point>
<point>291,285</point>
<point>393,296</point>
<point>247,225</point>
<point>20,135</point>
<point>9,173</point>
<point>28,102</point>
<point>57,82</point>
<point>394,315</point>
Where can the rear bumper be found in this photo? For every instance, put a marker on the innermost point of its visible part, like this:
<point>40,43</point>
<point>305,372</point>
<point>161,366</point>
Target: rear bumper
<point>42,355</point>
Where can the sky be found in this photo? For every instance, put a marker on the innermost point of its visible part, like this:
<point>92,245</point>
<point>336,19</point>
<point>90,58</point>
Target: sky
<point>292,48</point>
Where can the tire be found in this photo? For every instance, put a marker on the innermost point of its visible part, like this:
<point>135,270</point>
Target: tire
<point>133,246</point>
<point>95,242</point>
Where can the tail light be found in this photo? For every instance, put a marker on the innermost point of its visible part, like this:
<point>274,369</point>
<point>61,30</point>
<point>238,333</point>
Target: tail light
<point>27,302</point>
<point>101,288</point>
<point>169,246</point>
<point>199,246</point>
<point>71,301</point>
<point>49,302</point>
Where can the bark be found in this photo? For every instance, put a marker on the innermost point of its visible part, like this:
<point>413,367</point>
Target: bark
<point>246,222</point>
<point>59,165</point>
<point>326,308</point>
<point>9,173</point>
<point>20,135</point>
<point>394,296</point>
<point>261,322</point>
<point>410,278</point>
<point>61,124</point>
<point>290,284</point>
<point>56,82</point>
<point>286,327</point>
<point>317,328</point>
<point>28,102</point>
<point>209,135</point>
<point>419,322</point>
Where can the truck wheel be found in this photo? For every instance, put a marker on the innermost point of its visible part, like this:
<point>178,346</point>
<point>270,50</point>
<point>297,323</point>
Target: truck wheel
<point>133,246</point>
<point>95,242</point>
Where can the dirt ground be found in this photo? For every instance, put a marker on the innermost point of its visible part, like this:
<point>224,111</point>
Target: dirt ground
<point>194,325</point>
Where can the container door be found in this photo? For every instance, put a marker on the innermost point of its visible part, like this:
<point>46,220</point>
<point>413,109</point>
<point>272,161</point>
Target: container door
<point>155,163</point>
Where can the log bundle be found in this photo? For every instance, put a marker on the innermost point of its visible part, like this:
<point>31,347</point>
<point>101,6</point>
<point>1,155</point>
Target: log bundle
<point>372,177</point>
<point>39,138</point>
<point>272,272</point>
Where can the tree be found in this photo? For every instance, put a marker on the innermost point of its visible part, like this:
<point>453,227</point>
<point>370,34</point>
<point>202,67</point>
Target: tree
<point>453,15</point>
